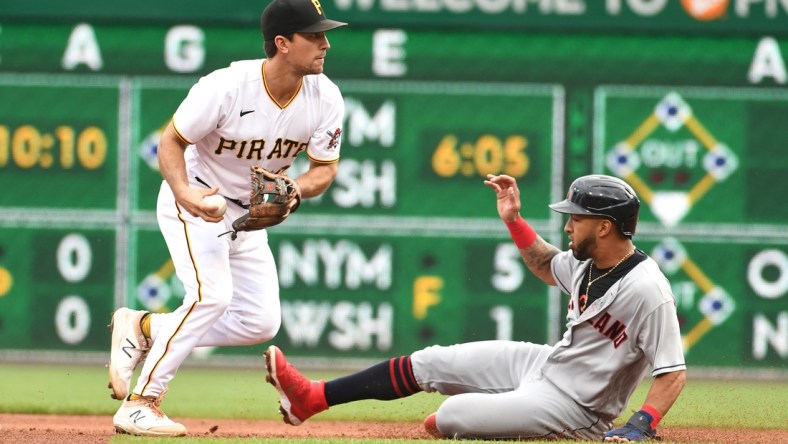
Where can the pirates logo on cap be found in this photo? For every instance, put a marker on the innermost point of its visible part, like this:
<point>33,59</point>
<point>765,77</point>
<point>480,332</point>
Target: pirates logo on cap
<point>318,8</point>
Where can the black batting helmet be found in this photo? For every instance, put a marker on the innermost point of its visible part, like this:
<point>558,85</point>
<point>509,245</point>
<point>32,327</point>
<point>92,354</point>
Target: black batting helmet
<point>606,196</point>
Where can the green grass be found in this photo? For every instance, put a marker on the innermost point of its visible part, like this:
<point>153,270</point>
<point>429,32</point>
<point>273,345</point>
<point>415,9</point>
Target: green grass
<point>244,394</point>
<point>239,394</point>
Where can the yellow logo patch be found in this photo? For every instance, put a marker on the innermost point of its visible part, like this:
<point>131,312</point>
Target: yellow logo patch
<point>318,7</point>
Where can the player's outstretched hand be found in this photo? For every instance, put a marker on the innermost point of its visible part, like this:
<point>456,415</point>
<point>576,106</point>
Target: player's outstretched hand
<point>638,428</point>
<point>508,194</point>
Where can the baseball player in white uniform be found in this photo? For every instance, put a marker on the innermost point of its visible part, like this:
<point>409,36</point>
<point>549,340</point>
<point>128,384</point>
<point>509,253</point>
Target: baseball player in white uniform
<point>253,113</point>
<point>621,321</point>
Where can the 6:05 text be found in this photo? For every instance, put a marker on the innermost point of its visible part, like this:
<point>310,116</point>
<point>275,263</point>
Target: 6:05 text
<point>489,154</point>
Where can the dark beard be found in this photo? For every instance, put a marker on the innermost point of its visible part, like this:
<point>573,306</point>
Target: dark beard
<point>582,251</point>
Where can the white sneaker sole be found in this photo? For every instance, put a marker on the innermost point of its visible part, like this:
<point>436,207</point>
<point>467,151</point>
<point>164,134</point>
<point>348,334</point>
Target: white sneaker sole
<point>123,428</point>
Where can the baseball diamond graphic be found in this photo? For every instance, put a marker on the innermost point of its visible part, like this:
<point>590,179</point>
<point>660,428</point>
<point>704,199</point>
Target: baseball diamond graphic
<point>673,114</point>
<point>716,305</point>
<point>673,138</point>
<point>156,289</point>
<point>149,146</point>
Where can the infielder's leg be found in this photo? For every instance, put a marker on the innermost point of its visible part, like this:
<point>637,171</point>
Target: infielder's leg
<point>232,291</point>
<point>202,264</point>
<point>254,313</point>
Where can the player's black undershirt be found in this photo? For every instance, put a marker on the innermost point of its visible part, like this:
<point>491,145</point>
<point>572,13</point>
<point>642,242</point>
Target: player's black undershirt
<point>600,287</point>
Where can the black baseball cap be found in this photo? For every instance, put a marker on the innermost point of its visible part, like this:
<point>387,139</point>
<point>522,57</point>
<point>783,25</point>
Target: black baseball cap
<point>284,17</point>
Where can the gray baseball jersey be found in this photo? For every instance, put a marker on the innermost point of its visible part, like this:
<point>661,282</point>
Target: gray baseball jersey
<point>606,349</point>
<point>574,389</point>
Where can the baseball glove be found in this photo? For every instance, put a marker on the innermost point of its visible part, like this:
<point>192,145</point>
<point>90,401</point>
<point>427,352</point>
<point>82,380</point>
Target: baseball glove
<point>270,203</point>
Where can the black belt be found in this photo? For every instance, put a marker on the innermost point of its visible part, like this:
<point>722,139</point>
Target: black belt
<point>235,201</point>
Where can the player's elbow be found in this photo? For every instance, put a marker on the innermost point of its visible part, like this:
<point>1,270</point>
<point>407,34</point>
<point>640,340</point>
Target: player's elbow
<point>674,381</point>
<point>681,380</point>
<point>549,279</point>
<point>545,275</point>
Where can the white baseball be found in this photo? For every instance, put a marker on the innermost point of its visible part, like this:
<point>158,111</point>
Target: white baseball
<point>216,200</point>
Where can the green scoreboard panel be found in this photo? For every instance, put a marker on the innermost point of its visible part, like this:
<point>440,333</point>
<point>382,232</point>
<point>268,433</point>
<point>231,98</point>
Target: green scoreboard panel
<point>409,148</point>
<point>696,156</point>
<point>373,295</point>
<point>727,292</point>
<point>406,249</point>
<point>400,253</point>
<point>55,152</point>
<point>403,203</point>
<point>56,287</point>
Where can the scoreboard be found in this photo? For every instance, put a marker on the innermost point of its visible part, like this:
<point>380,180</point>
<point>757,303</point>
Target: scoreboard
<point>405,249</point>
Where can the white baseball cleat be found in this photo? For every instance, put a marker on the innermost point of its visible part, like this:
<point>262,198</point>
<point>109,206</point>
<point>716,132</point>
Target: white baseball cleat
<point>144,417</point>
<point>129,348</point>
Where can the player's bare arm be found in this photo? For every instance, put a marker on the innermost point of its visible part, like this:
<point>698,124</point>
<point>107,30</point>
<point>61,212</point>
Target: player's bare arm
<point>537,258</point>
<point>317,179</point>
<point>665,390</point>
<point>173,170</point>
<point>537,255</point>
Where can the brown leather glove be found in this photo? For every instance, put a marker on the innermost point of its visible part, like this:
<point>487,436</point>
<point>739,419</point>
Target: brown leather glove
<point>271,201</point>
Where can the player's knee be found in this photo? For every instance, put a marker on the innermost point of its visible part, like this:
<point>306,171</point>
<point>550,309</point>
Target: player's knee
<point>264,333</point>
<point>217,302</point>
<point>260,329</point>
<point>449,422</point>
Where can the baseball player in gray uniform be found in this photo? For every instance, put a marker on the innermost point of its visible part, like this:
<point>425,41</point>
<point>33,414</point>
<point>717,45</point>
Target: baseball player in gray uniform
<point>621,322</point>
<point>255,113</point>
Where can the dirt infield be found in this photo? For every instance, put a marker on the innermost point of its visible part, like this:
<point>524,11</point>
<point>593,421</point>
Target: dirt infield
<point>34,429</point>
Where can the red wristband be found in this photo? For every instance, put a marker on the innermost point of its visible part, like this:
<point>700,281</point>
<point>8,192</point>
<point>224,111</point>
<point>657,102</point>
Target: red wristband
<point>654,414</point>
<point>522,233</point>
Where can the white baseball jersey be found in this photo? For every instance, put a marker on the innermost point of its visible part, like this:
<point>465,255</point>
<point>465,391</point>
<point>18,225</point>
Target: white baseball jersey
<point>231,285</point>
<point>232,123</point>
